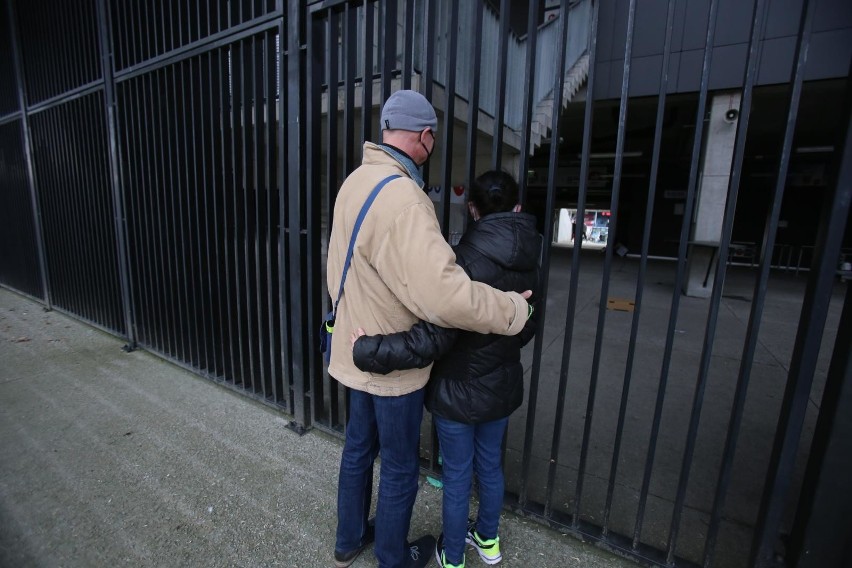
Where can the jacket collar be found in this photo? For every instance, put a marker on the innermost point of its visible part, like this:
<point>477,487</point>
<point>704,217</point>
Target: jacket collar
<point>403,159</point>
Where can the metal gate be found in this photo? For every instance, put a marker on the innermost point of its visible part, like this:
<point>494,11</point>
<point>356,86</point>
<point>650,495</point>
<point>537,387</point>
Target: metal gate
<point>168,170</point>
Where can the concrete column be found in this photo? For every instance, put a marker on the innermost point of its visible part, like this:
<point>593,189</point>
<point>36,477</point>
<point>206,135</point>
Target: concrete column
<point>716,159</point>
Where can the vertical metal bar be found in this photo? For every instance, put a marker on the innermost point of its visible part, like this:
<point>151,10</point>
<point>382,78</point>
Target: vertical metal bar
<point>295,159</point>
<point>473,102</point>
<point>270,70</point>
<point>616,187</point>
<point>332,67</point>
<point>430,34</point>
<point>65,196</point>
<point>119,36</point>
<point>166,28</point>
<point>238,100</point>
<point>367,75</point>
<point>313,157</point>
<point>80,115</point>
<point>761,283</point>
<point>759,17</point>
<point>202,28</point>
<point>135,37</point>
<point>175,237</point>
<point>643,265</point>
<point>249,201</point>
<point>217,87</point>
<point>260,205</point>
<point>173,190</point>
<point>500,105</point>
<point>408,48</point>
<point>140,157</point>
<point>216,123</point>
<point>107,255</point>
<point>157,166</point>
<point>819,535</point>
<point>145,189</point>
<point>42,127</point>
<point>257,171</point>
<point>125,183</point>
<point>74,60</point>
<point>91,46</point>
<point>283,209</point>
<point>529,82</point>
<point>129,162</point>
<point>58,236</point>
<point>17,58</point>
<point>350,46</point>
<point>195,285</point>
<point>682,247</point>
<point>203,274</point>
<point>542,292</point>
<point>184,212</point>
<point>247,148</point>
<point>389,49</point>
<point>166,303</point>
<point>449,119</point>
<point>805,353</point>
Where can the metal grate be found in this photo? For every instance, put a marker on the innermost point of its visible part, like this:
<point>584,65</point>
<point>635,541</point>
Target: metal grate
<point>199,153</point>
<point>18,248</point>
<point>143,31</point>
<point>70,156</point>
<point>59,43</point>
<point>8,81</point>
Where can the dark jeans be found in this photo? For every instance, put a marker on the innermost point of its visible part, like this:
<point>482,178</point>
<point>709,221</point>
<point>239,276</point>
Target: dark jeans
<point>389,425</point>
<point>466,448</point>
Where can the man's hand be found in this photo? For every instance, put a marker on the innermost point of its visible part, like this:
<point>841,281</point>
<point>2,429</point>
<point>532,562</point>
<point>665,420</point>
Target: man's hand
<point>526,295</point>
<point>358,333</point>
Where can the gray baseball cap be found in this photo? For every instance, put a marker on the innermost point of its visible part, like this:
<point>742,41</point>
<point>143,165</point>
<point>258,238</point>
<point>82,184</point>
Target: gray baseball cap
<point>408,110</point>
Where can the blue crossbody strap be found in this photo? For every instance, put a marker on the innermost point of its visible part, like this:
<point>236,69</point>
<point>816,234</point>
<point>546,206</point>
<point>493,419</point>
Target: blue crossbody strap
<point>358,221</point>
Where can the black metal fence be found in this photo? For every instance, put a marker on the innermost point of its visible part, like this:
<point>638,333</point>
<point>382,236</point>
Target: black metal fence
<point>168,169</point>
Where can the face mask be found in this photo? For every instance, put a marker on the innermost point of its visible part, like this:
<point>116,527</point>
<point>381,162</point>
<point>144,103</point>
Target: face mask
<point>428,152</point>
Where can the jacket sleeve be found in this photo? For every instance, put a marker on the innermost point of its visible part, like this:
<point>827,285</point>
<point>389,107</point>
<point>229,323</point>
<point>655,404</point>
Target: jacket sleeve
<point>528,331</point>
<point>532,322</point>
<point>419,267</point>
<point>412,349</point>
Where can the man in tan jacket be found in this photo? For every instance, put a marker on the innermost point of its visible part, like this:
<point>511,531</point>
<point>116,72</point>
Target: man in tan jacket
<point>402,271</point>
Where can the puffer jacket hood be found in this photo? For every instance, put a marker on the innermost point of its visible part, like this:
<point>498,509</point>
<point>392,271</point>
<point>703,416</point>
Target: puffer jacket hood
<point>509,240</point>
<point>480,379</point>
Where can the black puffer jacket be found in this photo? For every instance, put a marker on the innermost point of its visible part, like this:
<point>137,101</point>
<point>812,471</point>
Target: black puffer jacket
<point>476,377</point>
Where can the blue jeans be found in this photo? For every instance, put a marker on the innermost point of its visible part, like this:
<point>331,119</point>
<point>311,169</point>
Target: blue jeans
<point>466,448</point>
<point>389,425</point>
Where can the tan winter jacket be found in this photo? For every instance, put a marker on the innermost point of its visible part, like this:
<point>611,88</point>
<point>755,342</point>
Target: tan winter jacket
<point>402,271</point>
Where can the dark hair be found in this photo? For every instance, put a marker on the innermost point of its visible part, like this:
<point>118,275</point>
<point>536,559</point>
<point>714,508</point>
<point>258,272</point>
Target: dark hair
<point>494,192</point>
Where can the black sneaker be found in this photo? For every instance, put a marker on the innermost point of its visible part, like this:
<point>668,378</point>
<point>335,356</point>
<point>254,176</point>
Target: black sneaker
<point>344,559</point>
<point>420,552</point>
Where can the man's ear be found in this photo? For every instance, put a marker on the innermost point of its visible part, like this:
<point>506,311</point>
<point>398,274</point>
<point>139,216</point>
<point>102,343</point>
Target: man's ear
<point>517,208</point>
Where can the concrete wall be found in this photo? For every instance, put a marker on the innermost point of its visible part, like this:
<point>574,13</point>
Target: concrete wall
<point>829,56</point>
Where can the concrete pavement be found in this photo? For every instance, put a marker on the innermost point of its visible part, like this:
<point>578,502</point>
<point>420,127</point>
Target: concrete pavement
<point>122,459</point>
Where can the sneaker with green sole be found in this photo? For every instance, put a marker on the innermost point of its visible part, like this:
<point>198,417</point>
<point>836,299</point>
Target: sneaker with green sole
<point>488,549</point>
<point>441,556</point>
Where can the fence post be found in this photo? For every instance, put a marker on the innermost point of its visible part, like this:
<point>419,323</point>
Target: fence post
<point>118,209</point>
<point>18,63</point>
<point>297,263</point>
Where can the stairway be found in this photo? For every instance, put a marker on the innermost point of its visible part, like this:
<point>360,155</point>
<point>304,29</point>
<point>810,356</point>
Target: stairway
<point>543,113</point>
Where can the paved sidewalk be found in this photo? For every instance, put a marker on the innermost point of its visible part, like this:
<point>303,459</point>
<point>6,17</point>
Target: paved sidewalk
<point>122,459</point>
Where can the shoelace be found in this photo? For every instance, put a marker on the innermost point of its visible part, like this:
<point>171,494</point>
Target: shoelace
<point>415,552</point>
